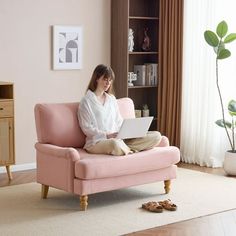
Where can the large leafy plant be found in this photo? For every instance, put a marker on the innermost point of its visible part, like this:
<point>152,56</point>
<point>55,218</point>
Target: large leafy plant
<point>218,40</point>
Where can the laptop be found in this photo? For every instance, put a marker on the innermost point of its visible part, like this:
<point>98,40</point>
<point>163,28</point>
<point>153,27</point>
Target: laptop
<point>134,127</point>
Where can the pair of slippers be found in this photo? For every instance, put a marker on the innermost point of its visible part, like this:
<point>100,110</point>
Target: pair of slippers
<point>158,207</point>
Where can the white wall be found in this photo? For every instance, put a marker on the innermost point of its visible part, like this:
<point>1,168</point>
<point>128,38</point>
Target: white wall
<point>25,57</point>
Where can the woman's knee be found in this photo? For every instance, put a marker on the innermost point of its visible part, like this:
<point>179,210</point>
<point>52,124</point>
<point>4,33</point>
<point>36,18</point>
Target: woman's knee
<point>113,143</point>
<point>109,146</point>
<point>119,147</point>
<point>155,136</point>
<point>114,147</point>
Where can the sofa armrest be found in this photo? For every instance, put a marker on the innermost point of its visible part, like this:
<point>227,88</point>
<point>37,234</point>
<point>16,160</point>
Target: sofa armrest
<point>56,166</point>
<point>164,142</point>
<point>63,152</point>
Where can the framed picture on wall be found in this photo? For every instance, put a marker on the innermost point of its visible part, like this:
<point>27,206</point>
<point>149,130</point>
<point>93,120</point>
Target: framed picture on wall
<point>67,47</point>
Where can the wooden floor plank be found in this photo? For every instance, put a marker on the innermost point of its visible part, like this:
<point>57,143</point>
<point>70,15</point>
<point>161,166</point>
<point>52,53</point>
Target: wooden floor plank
<point>19,177</point>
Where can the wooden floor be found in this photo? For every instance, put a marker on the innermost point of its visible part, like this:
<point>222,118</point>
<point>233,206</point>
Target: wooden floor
<point>19,177</point>
<point>221,224</point>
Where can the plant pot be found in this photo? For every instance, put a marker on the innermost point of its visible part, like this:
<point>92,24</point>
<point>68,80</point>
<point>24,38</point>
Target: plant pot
<point>230,163</point>
<point>145,113</point>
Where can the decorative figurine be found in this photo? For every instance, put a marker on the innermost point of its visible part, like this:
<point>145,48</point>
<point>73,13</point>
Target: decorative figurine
<point>131,77</point>
<point>146,46</point>
<point>131,40</point>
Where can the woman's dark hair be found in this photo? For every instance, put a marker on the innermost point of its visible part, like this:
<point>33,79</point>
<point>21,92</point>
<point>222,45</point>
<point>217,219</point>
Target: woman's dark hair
<point>101,70</point>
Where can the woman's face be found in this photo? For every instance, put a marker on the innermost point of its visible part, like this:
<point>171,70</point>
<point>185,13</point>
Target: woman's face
<point>103,83</point>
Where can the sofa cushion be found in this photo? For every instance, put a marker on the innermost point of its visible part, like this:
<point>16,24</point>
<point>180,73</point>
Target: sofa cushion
<point>126,107</point>
<point>94,166</point>
<point>57,124</point>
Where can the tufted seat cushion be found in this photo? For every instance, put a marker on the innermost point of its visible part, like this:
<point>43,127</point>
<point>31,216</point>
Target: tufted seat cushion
<point>92,166</point>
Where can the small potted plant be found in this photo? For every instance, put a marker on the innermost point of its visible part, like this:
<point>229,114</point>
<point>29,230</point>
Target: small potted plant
<point>217,40</point>
<point>145,110</point>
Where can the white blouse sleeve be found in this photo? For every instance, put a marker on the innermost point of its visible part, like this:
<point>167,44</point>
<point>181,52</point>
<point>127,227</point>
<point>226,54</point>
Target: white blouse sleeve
<point>118,118</point>
<point>87,125</point>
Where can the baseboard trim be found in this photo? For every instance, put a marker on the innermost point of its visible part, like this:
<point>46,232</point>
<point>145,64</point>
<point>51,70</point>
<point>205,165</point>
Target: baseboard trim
<point>21,167</point>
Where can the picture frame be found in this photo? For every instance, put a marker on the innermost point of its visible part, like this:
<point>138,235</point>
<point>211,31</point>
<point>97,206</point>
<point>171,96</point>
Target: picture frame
<point>67,47</point>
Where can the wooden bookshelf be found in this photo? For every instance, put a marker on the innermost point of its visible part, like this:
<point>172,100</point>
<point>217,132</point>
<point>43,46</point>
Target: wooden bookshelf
<point>135,14</point>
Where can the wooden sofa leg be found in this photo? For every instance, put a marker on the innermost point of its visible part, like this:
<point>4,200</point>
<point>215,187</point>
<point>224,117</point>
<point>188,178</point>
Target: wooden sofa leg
<point>83,202</point>
<point>44,191</point>
<point>167,186</point>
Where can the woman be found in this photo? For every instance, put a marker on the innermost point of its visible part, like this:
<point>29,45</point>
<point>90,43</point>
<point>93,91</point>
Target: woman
<point>100,119</point>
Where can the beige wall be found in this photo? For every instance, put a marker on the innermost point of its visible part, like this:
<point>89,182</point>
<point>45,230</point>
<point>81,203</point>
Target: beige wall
<point>25,57</point>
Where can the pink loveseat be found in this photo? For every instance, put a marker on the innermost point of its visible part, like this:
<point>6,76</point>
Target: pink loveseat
<point>63,164</point>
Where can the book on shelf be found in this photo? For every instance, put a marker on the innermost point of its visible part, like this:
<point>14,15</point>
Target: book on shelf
<point>151,74</point>
<point>146,74</point>
<point>140,71</point>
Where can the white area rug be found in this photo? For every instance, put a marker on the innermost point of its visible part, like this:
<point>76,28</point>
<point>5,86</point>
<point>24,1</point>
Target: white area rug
<point>22,212</point>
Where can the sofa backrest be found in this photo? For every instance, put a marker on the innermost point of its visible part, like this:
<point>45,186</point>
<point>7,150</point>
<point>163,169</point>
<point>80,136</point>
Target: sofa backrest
<point>57,123</point>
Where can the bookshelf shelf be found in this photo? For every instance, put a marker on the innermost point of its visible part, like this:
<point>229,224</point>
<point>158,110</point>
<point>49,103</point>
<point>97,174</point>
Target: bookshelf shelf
<point>142,53</point>
<point>143,18</point>
<point>142,87</point>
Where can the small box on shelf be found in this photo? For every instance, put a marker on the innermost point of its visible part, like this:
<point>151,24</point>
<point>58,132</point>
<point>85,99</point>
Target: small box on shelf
<point>138,113</point>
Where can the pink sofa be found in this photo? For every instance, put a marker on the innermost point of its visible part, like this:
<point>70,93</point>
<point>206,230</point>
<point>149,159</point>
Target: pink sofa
<point>63,164</point>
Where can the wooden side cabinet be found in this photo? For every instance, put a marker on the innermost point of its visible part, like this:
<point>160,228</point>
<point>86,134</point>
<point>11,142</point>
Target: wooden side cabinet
<point>7,153</point>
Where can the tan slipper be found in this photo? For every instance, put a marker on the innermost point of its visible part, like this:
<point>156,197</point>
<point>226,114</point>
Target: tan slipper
<point>152,207</point>
<point>168,205</point>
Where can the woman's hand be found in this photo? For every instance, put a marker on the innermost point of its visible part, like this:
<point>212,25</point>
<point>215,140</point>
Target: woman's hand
<point>112,135</point>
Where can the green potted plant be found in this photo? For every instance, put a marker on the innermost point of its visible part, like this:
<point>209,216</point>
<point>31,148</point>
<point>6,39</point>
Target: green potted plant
<point>218,40</point>
<point>230,155</point>
<point>230,125</point>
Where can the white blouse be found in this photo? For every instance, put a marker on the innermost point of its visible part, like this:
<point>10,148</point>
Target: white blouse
<point>96,119</point>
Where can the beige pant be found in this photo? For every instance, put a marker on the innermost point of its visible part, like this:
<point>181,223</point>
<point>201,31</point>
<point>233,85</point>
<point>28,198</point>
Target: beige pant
<point>120,147</point>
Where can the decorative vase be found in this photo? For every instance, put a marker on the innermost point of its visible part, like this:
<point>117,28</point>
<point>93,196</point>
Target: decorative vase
<point>146,45</point>
<point>229,164</point>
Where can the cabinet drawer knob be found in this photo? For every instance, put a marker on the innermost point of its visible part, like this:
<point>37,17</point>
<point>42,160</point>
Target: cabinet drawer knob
<point>1,108</point>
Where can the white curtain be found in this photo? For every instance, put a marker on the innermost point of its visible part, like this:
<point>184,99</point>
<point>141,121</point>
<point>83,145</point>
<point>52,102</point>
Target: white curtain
<point>202,141</point>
